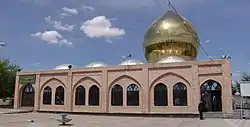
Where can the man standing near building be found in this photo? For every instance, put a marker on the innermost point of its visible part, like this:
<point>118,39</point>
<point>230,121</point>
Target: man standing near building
<point>201,109</point>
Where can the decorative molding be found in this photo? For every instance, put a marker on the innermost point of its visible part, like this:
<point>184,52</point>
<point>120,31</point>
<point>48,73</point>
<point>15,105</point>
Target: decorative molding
<point>25,79</point>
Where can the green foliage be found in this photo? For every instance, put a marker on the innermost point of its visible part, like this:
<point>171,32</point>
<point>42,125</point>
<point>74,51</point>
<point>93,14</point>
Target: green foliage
<point>235,87</point>
<point>245,77</point>
<point>7,77</point>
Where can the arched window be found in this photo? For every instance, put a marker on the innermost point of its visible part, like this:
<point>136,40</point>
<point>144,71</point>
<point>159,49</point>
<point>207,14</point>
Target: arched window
<point>80,96</point>
<point>59,98</point>
<point>117,95</point>
<point>47,94</point>
<point>94,96</point>
<point>160,95</point>
<point>180,94</point>
<point>133,95</point>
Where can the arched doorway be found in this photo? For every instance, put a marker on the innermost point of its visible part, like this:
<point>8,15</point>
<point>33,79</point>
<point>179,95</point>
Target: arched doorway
<point>211,94</point>
<point>28,94</point>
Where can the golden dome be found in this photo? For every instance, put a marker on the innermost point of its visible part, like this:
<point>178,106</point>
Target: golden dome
<point>171,35</point>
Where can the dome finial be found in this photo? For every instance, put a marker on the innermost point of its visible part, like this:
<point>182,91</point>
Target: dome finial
<point>128,56</point>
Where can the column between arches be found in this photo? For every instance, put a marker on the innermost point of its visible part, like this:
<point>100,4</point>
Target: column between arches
<point>37,93</point>
<point>69,93</point>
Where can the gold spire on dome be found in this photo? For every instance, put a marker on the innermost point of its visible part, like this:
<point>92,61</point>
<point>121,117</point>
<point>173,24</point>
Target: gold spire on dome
<point>170,35</point>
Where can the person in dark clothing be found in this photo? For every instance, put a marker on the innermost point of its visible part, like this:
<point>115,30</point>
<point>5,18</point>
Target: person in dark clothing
<point>204,101</point>
<point>201,109</point>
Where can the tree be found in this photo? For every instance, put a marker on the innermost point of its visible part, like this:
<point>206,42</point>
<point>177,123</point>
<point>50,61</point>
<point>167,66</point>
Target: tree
<point>235,87</point>
<point>7,77</point>
<point>245,77</point>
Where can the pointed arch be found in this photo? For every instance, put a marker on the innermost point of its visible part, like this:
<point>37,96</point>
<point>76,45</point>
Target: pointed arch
<point>45,84</point>
<point>121,77</point>
<point>166,74</point>
<point>86,78</point>
<point>47,95</point>
<point>217,87</point>
<point>52,79</point>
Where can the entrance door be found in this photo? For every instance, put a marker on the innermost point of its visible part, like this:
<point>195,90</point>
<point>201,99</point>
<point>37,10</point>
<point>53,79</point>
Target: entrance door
<point>28,96</point>
<point>211,94</point>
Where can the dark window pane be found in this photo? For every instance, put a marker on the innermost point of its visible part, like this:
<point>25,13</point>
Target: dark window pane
<point>160,95</point>
<point>94,96</point>
<point>59,97</point>
<point>180,94</point>
<point>117,95</point>
<point>47,95</point>
<point>133,95</point>
<point>80,96</point>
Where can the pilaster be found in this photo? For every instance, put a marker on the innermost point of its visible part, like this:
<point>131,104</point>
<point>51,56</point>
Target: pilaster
<point>194,92</point>
<point>69,95</point>
<point>226,88</point>
<point>145,98</point>
<point>17,93</point>
<point>37,92</point>
<point>104,92</point>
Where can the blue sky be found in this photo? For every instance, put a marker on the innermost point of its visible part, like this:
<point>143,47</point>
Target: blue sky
<point>77,30</point>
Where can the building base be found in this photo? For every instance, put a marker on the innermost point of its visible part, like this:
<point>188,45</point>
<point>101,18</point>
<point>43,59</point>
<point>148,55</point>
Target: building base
<point>127,114</point>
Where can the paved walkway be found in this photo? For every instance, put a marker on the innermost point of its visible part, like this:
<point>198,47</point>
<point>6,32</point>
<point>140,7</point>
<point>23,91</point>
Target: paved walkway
<point>8,110</point>
<point>49,120</point>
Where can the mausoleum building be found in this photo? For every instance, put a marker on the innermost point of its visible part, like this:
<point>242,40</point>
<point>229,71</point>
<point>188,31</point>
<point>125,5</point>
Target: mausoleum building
<point>172,81</point>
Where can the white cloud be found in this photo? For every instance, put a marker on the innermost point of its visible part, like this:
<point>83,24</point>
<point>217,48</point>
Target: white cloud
<point>205,42</point>
<point>48,36</point>
<point>58,25</point>
<point>70,10</point>
<point>62,15</point>
<point>51,37</point>
<point>48,19</point>
<point>36,64</point>
<point>88,8</point>
<point>99,27</point>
